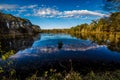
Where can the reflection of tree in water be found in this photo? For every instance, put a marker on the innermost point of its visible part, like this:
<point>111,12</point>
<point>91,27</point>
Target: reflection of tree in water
<point>15,44</point>
<point>111,40</point>
<point>115,45</point>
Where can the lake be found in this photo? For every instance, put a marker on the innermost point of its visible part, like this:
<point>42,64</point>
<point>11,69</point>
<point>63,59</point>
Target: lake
<point>64,51</point>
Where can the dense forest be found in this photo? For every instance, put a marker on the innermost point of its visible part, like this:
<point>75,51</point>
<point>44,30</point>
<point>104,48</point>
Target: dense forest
<point>109,24</point>
<point>106,24</point>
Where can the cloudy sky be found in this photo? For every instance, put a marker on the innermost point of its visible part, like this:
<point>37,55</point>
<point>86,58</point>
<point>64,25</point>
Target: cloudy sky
<point>49,14</point>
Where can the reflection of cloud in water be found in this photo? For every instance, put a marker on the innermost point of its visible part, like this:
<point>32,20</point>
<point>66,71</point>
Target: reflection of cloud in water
<point>71,48</point>
<point>37,51</point>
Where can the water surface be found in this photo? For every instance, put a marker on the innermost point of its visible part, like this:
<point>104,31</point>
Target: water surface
<point>60,50</point>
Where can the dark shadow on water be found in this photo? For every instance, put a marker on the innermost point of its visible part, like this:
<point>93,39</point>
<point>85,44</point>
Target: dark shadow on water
<point>60,44</point>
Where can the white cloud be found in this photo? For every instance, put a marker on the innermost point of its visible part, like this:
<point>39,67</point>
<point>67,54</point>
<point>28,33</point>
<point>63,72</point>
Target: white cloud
<point>22,10</point>
<point>32,6</point>
<point>29,7</point>
<point>28,14</point>
<point>35,10</point>
<point>47,12</point>
<point>7,6</point>
<point>82,12</point>
<point>17,15</point>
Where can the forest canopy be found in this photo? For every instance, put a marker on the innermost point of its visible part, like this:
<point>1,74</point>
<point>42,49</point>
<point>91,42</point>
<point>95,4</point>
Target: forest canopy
<point>106,24</point>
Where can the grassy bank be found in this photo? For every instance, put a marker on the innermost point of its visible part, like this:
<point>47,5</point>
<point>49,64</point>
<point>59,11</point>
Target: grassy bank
<point>52,74</point>
<point>73,75</point>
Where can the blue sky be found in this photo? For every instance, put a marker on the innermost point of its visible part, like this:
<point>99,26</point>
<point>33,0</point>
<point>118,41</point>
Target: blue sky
<point>50,14</point>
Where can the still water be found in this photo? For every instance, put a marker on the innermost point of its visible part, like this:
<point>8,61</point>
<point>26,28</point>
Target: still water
<point>64,51</point>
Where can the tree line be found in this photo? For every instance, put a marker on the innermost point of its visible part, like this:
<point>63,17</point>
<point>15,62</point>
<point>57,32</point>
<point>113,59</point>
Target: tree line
<point>106,24</point>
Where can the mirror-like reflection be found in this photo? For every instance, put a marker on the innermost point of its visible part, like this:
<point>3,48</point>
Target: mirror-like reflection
<point>16,44</point>
<point>112,41</point>
<point>80,48</point>
<point>57,50</point>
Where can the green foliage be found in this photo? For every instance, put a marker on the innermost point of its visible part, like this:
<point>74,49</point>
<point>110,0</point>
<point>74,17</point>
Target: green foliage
<point>12,72</point>
<point>1,70</point>
<point>7,54</point>
<point>72,75</point>
<point>110,24</point>
<point>52,74</point>
<point>112,41</point>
